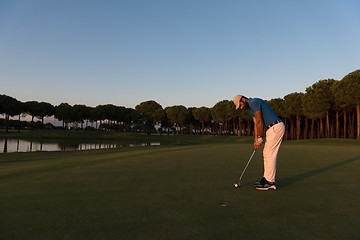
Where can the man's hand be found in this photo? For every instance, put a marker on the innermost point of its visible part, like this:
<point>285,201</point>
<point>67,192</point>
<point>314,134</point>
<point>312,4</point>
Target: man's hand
<point>258,141</point>
<point>256,145</point>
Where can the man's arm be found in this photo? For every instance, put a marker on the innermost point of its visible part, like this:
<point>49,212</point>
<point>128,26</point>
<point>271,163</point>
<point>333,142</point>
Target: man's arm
<point>259,125</point>
<point>255,127</point>
<point>258,128</point>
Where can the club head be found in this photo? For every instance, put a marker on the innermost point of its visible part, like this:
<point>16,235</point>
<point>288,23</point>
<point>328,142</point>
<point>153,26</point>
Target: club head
<point>236,185</point>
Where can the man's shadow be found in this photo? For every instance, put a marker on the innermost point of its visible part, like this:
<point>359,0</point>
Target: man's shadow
<point>297,178</point>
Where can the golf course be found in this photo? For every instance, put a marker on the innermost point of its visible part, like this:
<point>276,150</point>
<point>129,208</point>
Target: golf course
<point>175,191</point>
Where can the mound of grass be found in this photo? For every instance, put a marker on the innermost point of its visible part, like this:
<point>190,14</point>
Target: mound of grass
<point>173,192</point>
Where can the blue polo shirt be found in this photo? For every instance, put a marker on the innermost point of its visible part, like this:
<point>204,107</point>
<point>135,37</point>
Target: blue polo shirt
<point>268,115</point>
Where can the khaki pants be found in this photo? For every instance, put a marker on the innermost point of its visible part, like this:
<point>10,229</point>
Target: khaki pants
<point>274,137</point>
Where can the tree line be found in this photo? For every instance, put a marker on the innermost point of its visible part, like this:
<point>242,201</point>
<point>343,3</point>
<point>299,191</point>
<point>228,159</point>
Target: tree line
<point>327,109</point>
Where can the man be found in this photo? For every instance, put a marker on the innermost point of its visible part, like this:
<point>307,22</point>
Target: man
<point>264,117</point>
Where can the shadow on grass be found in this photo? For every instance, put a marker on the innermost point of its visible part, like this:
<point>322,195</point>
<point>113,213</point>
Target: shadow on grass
<point>297,178</point>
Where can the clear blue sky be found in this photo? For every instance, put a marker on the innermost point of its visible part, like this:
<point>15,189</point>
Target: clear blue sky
<point>188,52</point>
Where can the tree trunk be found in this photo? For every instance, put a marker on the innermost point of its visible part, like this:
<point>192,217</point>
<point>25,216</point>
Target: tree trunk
<point>229,128</point>
<point>332,127</point>
<point>337,125</point>
<point>32,123</point>
<point>291,128</point>
<point>312,128</point>
<point>321,128</point>
<point>240,127</point>
<point>286,130</point>
<point>345,124</point>
<point>358,118</point>
<point>234,127</point>
<point>6,123</point>
<point>327,125</point>
<point>298,120</point>
<point>318,129</point>
<point>306,128</point>
<point>352,126</point>
<point>19,123</point>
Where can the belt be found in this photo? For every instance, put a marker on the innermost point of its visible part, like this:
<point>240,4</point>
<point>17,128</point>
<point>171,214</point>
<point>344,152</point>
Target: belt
<point>274,123</point>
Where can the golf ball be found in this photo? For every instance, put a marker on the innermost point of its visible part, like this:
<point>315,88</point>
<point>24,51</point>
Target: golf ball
<point>236,185</point>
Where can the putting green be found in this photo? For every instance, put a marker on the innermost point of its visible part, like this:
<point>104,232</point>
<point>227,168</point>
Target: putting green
<point>175,193</point>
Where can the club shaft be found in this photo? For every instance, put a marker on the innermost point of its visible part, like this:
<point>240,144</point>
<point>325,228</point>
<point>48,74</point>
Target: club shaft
<point>246,165</point>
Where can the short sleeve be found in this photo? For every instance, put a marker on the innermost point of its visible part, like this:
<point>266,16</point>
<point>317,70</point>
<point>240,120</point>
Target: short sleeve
<point>255,106</point>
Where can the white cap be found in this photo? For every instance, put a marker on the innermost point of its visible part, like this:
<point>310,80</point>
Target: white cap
<point>237,100</point>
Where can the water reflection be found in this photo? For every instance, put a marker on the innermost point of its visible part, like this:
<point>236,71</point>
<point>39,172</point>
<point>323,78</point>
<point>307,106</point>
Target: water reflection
<point>5,146</point>
<point>19,145</point>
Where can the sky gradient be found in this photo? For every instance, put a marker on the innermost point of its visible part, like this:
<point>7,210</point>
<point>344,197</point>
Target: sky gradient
<point>191,52</point>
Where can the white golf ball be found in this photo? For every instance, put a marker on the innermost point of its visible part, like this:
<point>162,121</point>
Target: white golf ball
<point>236,185</point>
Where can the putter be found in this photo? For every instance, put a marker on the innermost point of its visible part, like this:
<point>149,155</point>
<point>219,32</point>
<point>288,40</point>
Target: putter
<point>238,184</point>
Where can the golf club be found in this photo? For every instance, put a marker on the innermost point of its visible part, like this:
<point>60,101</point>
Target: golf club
<point>238,184</point>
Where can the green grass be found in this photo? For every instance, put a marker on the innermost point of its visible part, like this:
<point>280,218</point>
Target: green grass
<point>173,192</point>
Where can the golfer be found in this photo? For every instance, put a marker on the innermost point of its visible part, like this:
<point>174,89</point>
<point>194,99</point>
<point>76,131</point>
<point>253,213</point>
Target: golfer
<point>264,118</point>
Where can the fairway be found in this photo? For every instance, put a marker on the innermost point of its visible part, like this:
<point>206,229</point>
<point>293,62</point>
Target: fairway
<point>173,192</point>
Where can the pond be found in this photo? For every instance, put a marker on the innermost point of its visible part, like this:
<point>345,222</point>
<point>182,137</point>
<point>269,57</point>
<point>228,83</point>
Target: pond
<point>20,145</point>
